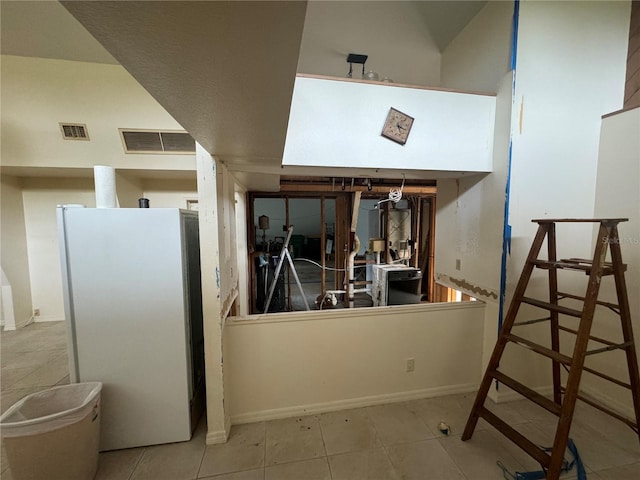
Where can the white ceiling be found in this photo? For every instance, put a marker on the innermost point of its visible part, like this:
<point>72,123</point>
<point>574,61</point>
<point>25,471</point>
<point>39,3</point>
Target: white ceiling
<point>223,69</point>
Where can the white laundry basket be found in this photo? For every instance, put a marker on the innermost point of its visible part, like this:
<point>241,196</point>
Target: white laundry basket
<point>54,434</point>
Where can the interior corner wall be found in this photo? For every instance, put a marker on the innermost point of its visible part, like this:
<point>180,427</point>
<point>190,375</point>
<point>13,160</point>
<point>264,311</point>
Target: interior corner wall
<point>40,197</point>
<point>618,196</point>
<point>388,32</point>
<point>166,193</point>
<point>13,248</point>
<point>469,226</point>
<point>470,210</point>
<point>571,63</point>
<point>128,190</point>
<point>479,57</point>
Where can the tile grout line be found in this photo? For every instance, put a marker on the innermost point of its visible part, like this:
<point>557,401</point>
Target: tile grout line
<point>133,470</point>
<point>384,446</point>
<point>204,452</point>
<point>324,445</point>
<point>264,453</point>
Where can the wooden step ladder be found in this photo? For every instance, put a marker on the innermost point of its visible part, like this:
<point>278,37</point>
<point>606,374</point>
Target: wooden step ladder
<point>564,397</point>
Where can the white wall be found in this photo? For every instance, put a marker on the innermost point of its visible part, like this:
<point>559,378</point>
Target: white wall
<point>570,70</point>
<point>392,34</point>
<point>479,57</point>
<point>292,363</point>
<point>39,93</point>
<point>618,195</point>
<point>337,123</point>
<point>13,250</point>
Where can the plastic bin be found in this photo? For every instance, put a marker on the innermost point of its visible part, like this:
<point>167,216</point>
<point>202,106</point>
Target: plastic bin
<point>54,434</point>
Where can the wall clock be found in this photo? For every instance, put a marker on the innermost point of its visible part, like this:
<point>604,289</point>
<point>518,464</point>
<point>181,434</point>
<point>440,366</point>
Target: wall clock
<point>397,126</point>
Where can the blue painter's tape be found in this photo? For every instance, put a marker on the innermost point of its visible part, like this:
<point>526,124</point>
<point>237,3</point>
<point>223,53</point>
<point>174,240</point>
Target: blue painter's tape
<point>514,34</point>
<point>506,232</point>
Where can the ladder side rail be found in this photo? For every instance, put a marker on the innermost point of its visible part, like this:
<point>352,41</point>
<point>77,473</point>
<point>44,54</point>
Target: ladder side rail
<point>579,352</point>
<point>553,299</point>
<point>625,319</point>
<point>494,361</point>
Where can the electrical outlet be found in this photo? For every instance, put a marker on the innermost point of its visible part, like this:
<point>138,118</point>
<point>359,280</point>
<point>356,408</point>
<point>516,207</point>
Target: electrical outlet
<point>457,264</point>
<point>411,364</point>
<point>36,312</point>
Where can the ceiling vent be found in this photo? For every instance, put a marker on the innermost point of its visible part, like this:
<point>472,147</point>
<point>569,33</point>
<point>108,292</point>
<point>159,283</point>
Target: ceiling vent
<point>74,131</point>
<point>157,141</point>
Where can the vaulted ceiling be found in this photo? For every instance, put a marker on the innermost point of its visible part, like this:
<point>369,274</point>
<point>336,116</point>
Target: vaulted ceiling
<point>223,69</point>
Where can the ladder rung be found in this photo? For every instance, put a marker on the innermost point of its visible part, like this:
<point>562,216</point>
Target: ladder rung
<point>591,337</point>
<point>608,348</point>
<point>588,400</point>
<point>548,265</point>
<point>590,262</point>
<point>552,307</point>
<point>516,437</point>
<point>531,322</point>
<point>612,306</point>
<point>606,377</point>
<point>526,392</point>
<point>547,352</point>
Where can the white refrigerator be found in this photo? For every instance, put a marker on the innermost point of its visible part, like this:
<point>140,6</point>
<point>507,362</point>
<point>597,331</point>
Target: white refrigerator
<point>132,289</point>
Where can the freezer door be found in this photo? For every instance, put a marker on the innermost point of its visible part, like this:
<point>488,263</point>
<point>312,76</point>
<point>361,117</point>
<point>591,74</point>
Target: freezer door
<point>127,297</point>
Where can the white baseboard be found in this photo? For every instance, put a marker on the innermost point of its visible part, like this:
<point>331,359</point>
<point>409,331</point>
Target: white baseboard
<point>24,323</point>
<point>48,318</point>
<point>310,409</point>
<point>220,436</point>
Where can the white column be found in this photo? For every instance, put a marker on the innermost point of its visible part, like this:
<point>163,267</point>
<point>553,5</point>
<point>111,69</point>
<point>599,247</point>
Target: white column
<point>217,422</point>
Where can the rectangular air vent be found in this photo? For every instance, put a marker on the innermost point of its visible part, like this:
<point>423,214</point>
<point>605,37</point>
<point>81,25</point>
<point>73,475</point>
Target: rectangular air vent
<point>157,141</point>
<point>74,131</point>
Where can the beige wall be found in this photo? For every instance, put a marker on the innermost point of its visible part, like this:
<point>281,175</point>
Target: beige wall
<point>290,364</point>
<point>479,57</point>
<point>39,93</point>
<point>41,195</point>
<point>170,193</point>
<point>13,248</point>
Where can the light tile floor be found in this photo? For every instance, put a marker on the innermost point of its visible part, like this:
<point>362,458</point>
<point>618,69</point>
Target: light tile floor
<point>384,442</point>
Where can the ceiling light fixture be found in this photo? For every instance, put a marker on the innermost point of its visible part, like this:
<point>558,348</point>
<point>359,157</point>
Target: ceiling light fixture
<point>356,58</point>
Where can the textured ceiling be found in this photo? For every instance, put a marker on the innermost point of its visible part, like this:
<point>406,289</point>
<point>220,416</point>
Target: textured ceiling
<point>47,30</point>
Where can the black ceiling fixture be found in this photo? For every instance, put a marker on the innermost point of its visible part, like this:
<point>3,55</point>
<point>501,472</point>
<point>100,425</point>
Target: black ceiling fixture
<point>356,58</point>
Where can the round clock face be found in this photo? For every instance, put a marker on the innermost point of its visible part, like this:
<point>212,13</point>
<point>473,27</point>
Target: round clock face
<point>397,126</point>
